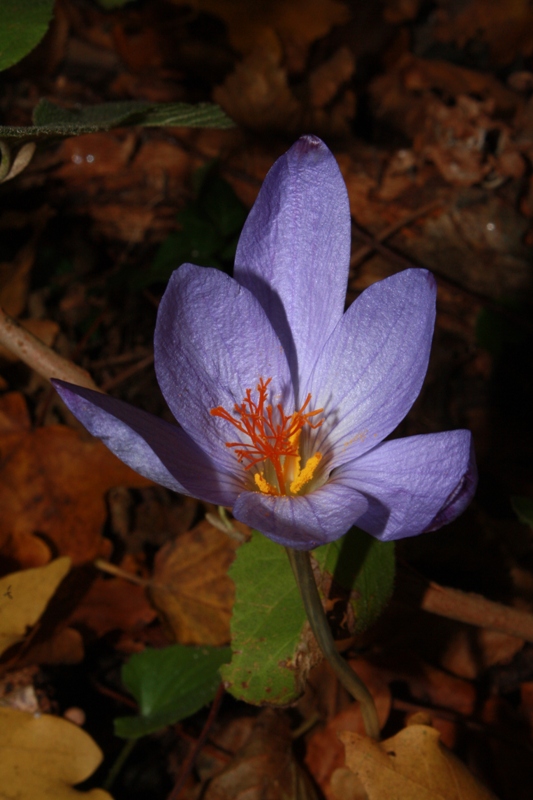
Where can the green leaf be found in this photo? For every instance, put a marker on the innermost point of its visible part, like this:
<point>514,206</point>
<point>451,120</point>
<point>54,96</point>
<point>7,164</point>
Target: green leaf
<point>22,26</point>
<point>222,206</point>
<point>210,227</point>
<point>267,623</point>
<point>50,120</point>
<point>268,664</point>
<point>169,685</point>
<point>523,508</point>
<point>365,567</point>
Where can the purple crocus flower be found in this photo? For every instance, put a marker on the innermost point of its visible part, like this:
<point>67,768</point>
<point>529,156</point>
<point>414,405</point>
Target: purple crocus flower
<point>283,400</point>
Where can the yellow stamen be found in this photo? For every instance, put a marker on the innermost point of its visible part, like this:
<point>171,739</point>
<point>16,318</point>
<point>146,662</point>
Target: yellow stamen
<point>263,485</point>
<point>305,475</point>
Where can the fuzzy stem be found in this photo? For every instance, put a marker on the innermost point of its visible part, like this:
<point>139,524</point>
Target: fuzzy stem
<point>303,573</point>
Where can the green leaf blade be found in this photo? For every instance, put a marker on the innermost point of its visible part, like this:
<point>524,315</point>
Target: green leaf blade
<point>363,566</point>
<point>523,508</point>
<point>169,685</point>
<point>267,623</point>
<point>271,653</point>
<point>22,26</point>
<point>53,121</point>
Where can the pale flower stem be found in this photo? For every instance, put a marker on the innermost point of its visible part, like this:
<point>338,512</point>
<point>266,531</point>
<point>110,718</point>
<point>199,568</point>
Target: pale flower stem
<point>303,573</point>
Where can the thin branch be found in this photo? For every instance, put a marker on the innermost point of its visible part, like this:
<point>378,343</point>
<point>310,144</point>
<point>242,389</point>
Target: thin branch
<point>473,609</point>
<point>112,569</point>
<point>188,764</point>
<point>112,383</point>
<point>39,356</point>
<point>477,610</point>
<point>369,248</point>
<point>376,243</point>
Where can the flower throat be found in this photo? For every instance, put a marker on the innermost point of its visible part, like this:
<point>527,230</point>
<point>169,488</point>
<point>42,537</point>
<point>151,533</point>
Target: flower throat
<point>274,441</point>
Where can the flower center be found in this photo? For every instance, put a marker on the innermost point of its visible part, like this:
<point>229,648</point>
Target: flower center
<point>274,441</point>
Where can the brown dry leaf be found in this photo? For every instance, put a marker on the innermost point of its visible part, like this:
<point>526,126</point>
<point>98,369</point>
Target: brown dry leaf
<point>401,96</point>
<point>301,21</point>
<point>258,96</point>
<point>457,118</point>
<point>325,753</point>
<point>325,80</point>
<point>471,652</point>
<point>15,274</point>
<point>507,27</point>
<point>257,93</point>
<point>113,604</point>
<point>265,769</point>
<point>63,647</point>
<point>191,589</point>
<point>44,757</point>
<point>52,486</point>
<point>396,11</point>
<point>148,177</point>
<point>413,765</point>
<point>13,413</point>
<point>15,280</point>
<point>23,598</point>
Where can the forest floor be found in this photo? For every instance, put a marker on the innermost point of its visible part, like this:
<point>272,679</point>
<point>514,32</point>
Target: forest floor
<point>428,108</point>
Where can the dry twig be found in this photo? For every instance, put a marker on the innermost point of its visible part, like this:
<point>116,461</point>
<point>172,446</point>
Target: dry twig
<point>39,356</point>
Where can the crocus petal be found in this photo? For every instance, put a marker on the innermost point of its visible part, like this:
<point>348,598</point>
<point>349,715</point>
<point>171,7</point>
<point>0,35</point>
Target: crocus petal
<point>212,342</point>
<point>373,365</point>
<point>414,484</point>
<point>294,250</point>
<point>302,522</point>
<point>152,447</point>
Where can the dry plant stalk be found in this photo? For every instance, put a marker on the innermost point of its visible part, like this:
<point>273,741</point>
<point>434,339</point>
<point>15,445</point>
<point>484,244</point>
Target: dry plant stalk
<point>39,356</point>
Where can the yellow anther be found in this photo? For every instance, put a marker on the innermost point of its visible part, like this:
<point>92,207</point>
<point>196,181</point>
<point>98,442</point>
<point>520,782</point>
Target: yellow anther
<point>263,485</point>
<point>304,475</point>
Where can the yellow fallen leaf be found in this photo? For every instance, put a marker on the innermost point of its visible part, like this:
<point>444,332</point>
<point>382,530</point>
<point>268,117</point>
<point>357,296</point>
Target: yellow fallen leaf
<point>24,596</point>
<point>43,757</point>
<point>413,765</point>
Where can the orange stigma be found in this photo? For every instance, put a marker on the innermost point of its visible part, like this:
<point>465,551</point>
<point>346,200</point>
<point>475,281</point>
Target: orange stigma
<point>274,440</point>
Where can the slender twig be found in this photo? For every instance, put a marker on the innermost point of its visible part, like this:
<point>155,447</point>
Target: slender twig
<point>416,590</point>
<point>119,360</point>
<point>367,249</point>
<point>303,573</point>
<point>39,356</point>
<point>477,610</point>
<point>388,252</point>
<point>112,383</point>
<point>195,749</point>
<point>112,569</point>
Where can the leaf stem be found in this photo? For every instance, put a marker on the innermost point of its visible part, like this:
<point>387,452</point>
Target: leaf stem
<point>303,573</point>
<point>119,763</point>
